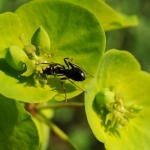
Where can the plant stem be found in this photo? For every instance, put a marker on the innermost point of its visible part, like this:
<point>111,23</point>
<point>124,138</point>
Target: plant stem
<point>71,104</point>
<point>56,130</point>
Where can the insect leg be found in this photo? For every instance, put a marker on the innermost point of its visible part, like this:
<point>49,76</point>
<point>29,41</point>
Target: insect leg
<point>67,63</point>
<point>75,85</point>
<point>65,78</point>
<point>46,76</point>
<point>42,79</point>
<point>63,87</point>
<point>55,64</point>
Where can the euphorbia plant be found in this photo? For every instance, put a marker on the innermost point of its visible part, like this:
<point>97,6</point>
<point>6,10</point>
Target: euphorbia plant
<point>69,34</point>
<point>68,37</point>
<point>45,31</point>
<point>117,107</point>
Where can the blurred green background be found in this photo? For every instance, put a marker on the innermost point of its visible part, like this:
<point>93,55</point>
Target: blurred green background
<point>133,39</point>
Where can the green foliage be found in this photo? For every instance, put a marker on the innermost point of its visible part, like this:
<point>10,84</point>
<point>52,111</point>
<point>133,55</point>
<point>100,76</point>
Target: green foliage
<point>9,31</point>
<point>17,129</point>
<point>71,36</point>
<point>117,122</point>
<point>42,32</point>
<point>131,39</point>
<point>109,18</point>
<point>43,129</point>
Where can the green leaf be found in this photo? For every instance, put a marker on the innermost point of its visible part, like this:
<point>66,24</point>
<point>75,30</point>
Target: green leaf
<point>12,84</point>
<point>17,129</point>
<point>10,27</point>
<point>120,72</point>
<point>74,32</point>
<point>109,18</point>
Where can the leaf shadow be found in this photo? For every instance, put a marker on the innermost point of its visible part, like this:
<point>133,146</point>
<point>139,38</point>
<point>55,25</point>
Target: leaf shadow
<point>9,71</point>
<point>53,82</point>
<point>101,113</point>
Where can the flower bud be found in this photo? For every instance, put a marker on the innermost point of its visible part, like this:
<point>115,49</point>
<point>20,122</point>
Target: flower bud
<point>105,96</point>
<point>30,49</point>
<point>14,56</point>
<point>109,96</point>
<point>41,40</point>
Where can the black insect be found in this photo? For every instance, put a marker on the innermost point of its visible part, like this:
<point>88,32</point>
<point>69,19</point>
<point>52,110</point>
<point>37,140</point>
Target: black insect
<point>73,72</point>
